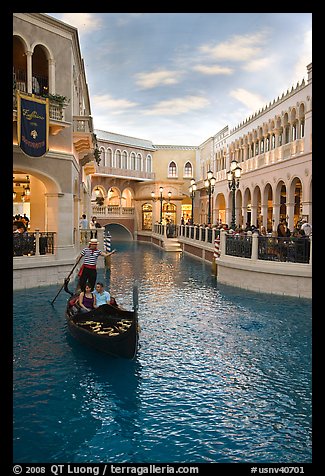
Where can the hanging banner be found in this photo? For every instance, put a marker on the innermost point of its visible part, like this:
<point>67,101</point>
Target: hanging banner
<point>32,124</point>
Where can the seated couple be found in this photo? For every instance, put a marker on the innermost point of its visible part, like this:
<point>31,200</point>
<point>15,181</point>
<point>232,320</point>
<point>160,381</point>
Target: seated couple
<point>89,300</point>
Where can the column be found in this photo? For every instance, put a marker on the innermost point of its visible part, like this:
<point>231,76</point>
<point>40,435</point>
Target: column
<point>51,76</point>
<point>29,71</point>
<point>253,214</point>
<point>290,214</point>
<point>264,214</point>
<point>276,215</point>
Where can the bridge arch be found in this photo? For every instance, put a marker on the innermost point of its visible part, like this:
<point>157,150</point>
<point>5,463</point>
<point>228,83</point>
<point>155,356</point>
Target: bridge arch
<point>118,232</point>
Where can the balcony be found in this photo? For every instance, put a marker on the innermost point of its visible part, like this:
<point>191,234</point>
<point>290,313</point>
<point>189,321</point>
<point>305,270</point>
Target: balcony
<point>56,111</point>
<point>111,211</point>
<point>130,174</point>
<point>83,138</point>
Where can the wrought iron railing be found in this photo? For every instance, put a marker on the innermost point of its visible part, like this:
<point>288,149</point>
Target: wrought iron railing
<point>33,243</point>
<point>239,245</point>
<point>292,249</point>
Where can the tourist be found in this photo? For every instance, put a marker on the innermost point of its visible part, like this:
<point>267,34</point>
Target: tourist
<point>88,271</point>
<point>83,226</point>
<point>102,296</point>
<point>306,227</point>
<point>87,300</point>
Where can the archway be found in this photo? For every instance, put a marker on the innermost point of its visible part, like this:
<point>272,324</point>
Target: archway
<point>118,233</point>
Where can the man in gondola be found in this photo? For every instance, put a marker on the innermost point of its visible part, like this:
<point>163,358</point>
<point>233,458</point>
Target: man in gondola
<point>88,271</point>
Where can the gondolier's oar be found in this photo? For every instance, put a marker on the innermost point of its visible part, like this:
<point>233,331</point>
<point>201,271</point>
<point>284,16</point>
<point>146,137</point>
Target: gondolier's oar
<point>135,297</point>
<point>66,279</point>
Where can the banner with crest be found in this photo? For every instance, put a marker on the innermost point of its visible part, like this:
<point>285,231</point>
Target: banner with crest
<point>32,124</point>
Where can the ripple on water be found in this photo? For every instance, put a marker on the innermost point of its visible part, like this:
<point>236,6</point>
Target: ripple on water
<point>221,375</point>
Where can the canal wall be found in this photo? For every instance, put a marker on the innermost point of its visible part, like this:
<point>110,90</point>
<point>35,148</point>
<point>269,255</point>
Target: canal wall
<point>280,278</point>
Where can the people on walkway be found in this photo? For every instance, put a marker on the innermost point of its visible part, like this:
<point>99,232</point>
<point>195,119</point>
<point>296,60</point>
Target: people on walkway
<point>87,299</point>
<point>306,227</point>
<point>283,230</point>
<point>88,271</point>
<point>93,225</point>
<point>83,226</point>
<point>102,296</point>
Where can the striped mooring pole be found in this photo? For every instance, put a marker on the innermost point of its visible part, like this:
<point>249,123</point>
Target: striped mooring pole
<point>107,248</point>
<point>216,255</point>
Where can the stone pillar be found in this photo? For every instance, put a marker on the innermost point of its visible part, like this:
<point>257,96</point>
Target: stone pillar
<point>254,215</point>
<point>276,215</point>
<point>254,246</point>
<point>264,215</point>
<point>51,76</point>
<point>29,55</point>
<point>290,214</point>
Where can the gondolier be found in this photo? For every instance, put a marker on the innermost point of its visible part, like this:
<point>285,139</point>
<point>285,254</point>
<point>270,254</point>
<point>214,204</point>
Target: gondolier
<point>88,271</point>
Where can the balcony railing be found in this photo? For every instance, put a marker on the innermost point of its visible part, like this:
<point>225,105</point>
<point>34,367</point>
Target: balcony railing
<point>109,210</point>
<point>56,111</point>
<point>33,243</point>
<point>130,173</point>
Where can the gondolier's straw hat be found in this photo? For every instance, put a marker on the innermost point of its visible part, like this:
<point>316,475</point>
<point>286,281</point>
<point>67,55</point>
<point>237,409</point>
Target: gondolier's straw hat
<point>93,241</point>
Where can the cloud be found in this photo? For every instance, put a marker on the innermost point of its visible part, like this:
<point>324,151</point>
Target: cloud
<point>85,22</point>
<point>213,70</point>
<point>157,78</point>
<point>113,106</point>
<point>238,48</point>
<point>252,101</point>
<point>257,65</point>
<point>177,106</point>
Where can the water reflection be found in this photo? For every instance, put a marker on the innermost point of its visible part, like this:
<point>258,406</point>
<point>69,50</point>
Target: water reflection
<point>112,396</point>
<point>222,375</point>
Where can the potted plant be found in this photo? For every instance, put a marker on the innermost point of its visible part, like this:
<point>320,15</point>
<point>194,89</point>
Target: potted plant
<point>58,99</point>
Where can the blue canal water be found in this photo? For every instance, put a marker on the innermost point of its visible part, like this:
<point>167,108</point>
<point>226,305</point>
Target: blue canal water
<point>221,376</point>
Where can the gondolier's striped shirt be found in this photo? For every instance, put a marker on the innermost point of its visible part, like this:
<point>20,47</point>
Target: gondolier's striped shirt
<point>90,257</point>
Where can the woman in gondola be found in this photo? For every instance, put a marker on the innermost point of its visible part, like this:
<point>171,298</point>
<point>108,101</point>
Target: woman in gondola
<point>87,300</point>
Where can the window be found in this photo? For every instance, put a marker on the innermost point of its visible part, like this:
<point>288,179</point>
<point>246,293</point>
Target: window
<point>124,160</point>
<point>302,129</point>
<point>109,161</point>
<point>172,170</point>
<point>149,163</point>
<point>138,167</point>
<point>132,161</point>
<point>188,170</point>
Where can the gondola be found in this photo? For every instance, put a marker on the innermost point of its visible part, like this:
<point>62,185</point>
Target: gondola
<point>108,329</point>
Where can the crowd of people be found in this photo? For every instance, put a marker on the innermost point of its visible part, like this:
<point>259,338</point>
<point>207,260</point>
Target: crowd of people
<point>302,228</point>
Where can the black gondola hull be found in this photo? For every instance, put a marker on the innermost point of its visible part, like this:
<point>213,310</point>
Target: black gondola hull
<point>123,344</point>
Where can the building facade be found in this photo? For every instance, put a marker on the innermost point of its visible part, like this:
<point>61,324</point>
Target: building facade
<point>133,183</point>
<point>44,49</point>
<point>274,150</point>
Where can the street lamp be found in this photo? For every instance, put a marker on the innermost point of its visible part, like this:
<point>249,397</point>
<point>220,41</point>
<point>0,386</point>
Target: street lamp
<point>209,183</point>
<point>233,176</point>
<point>161,198</point>
<point>192,190</point>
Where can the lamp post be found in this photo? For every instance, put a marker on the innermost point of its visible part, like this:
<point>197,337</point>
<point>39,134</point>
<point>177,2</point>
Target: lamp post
<point>209,183</point>
<point>161,199</point>
<point>192,190</point>
<point>233,176</point>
